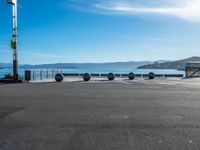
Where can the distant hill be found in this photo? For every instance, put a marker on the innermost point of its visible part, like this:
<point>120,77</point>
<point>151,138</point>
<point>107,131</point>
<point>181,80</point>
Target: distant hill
<point>133,64</point>
<point>179,64</point>
<point>160,64</point>
<point>5,65</point>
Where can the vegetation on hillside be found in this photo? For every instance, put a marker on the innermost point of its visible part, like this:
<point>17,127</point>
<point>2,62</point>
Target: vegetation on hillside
<point>179,64</point>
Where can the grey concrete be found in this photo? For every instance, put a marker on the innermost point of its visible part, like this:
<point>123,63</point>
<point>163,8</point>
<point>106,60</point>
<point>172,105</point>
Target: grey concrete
<point>111,115</point>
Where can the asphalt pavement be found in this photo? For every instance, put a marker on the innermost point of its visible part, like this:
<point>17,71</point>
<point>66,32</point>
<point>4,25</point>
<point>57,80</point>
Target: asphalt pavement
<point>104,115</point>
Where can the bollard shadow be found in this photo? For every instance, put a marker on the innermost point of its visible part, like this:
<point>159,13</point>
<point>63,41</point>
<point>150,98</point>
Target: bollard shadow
<point>94,81</point>
<point>48,82</point>
<point>127,80</point>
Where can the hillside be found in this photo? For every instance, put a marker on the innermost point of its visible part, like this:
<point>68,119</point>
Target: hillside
<point>77,65</point>
<point>179,64</point>
<point>5,65</point>
<point>133,64</point>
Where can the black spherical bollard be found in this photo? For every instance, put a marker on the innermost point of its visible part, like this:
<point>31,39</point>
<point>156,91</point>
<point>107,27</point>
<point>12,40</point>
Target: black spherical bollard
<point>111,76</point>
<point>59,77</point>
<point>151,75</point>
<point>86,77</point>
<point>131,76</point>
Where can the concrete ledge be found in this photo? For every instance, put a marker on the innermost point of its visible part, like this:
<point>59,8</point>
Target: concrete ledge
<point>121,75</point>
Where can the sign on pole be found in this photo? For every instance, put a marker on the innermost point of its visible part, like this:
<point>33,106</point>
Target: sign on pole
<point>13,2</point>
<point>13,44</point>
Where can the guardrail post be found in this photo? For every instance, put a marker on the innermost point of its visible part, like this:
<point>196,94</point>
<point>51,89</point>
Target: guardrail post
<point>27,75</point>
<point>33,75</point>
<point>47,75</point>
<point>41,74</point>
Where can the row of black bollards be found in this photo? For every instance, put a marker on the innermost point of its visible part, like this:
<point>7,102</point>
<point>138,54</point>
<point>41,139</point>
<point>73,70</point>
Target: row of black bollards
<point>87,77</point>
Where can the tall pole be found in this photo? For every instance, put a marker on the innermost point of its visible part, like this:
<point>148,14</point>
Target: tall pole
<point>14,41</point>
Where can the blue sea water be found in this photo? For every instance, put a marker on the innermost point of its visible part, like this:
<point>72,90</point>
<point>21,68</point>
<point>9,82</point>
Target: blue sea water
<point>101,70</point>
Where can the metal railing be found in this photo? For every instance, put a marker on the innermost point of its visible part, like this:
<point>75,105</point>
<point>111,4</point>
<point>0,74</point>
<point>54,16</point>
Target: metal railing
<point>44,74</point>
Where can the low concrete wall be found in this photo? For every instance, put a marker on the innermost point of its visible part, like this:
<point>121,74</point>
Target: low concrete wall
<point>123,75</point>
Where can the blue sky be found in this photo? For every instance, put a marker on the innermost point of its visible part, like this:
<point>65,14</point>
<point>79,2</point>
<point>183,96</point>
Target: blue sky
<point>101,30</point>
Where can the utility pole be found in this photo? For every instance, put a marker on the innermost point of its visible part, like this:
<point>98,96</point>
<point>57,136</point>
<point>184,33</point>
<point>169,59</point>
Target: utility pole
<point>14,39</point>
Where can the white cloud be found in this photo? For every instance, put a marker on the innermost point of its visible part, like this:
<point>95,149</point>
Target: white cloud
<point>186,9</point>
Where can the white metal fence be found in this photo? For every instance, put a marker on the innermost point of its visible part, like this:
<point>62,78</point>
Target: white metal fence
<point>43,74</point>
